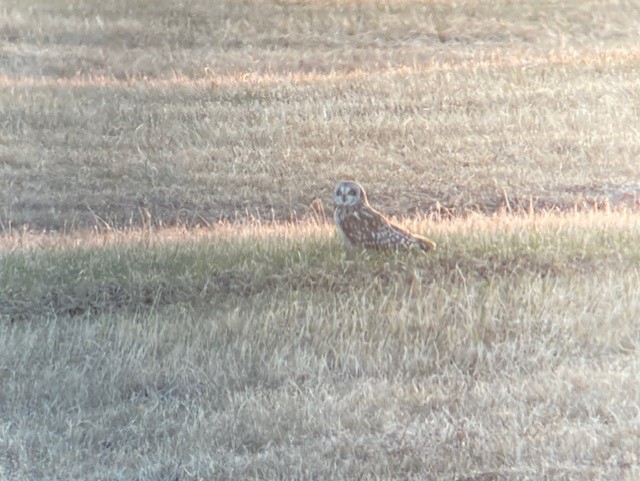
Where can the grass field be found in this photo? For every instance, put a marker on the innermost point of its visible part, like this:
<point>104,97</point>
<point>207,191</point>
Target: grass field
<point>174,301</point>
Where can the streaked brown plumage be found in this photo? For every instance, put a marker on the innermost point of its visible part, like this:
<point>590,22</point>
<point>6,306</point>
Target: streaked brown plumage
<point>363,226</point>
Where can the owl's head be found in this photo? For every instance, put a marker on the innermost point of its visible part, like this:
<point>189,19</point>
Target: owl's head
<point>348,193</point>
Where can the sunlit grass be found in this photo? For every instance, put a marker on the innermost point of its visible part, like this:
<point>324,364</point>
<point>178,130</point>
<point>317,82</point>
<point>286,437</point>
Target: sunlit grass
<point>126,269</point>
<point>225,111</point>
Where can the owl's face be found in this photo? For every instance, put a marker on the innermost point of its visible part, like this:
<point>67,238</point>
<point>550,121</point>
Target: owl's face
<point>348,194</point>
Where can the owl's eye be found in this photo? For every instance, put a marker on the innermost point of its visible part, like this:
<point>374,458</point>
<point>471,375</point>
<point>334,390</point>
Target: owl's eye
<point>352,191</point>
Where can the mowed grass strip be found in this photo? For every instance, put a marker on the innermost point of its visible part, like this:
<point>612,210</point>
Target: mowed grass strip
<point>94,272</point>
<point>510,352</point>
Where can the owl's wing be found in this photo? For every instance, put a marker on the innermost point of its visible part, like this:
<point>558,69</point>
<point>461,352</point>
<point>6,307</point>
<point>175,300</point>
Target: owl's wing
<point>401,238</point>
<point>370,229</point>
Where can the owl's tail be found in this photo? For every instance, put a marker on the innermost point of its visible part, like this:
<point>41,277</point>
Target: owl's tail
<point>424,243</point>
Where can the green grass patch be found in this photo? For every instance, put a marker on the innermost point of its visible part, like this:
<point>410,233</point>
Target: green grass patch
<point>150,271</point>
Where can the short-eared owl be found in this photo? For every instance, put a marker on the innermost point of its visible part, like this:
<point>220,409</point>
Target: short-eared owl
<point>363,226</point>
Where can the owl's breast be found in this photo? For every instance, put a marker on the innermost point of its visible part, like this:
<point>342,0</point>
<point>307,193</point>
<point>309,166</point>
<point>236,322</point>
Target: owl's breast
<point>344,211</point>
<point>346,220</point>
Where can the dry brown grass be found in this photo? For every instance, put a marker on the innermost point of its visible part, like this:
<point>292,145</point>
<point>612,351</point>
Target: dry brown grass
<point>143,338</point>
<point>193,112</point>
